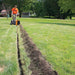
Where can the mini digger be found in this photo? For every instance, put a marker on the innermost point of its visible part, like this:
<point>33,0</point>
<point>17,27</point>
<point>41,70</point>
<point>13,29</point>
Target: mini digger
<point>14,22</point>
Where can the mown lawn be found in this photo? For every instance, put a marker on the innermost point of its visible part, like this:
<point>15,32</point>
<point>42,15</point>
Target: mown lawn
<point>55,38</point>
<point>8,50</point>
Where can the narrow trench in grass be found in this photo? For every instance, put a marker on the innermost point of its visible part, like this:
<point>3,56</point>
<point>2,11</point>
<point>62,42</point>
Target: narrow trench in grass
<point>19,57</point>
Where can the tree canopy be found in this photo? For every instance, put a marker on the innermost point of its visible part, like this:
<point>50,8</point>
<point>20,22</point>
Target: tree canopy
<point>65,5</point>
<point>22,4</point>
<point>51,7</point>
<point>56,8</point>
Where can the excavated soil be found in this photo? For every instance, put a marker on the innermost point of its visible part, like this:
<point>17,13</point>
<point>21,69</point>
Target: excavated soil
<point>38,66</point>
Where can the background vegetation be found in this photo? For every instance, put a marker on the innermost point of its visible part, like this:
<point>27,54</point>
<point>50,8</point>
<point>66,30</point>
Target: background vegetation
<point>44,8</point>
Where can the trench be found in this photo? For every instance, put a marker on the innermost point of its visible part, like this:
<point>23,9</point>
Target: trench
<point>19,56</point>
<point>38,64</point>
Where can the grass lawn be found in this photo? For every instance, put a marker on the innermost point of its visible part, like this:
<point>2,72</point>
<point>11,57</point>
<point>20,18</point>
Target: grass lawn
<point>8,50</point>
<point>55,39</point>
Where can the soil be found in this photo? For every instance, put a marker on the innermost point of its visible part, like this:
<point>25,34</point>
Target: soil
<point>38,66</point>
<point>1,68</point>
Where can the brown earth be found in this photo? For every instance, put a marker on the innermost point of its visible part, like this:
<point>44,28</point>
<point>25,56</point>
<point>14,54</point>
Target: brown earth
<point>38,66</point>
<point>1,68</point>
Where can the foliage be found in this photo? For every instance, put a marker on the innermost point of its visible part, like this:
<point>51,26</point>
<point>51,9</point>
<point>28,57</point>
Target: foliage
<point>46,8</point>
<point>0,5</point>
<point>51,7</point>
<point>22,4</point>
<point>57,8</point>
<point>39,9</point>
<point>65,5</point>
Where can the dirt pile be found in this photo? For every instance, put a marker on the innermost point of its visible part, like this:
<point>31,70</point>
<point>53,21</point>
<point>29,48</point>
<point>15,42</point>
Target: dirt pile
<point>38,66</point>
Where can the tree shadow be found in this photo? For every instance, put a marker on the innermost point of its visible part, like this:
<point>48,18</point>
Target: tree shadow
<point>58,23</point>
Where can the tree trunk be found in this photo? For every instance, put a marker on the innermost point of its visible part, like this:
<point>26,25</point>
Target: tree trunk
<point>20,14</point>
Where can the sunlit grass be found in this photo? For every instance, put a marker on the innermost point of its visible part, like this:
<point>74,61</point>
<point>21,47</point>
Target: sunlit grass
<point>56,40</point>
<point>54,37</point>
<point>8,50</point>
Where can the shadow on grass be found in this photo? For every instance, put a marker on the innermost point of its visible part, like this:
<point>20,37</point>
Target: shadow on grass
<point>58,23</point>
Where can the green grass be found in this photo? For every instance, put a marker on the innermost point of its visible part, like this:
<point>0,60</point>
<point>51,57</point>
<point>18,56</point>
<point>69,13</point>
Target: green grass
<point>23,56</point>
<point>54,37</point>
<point>56,40</point>
<point>8,50</point>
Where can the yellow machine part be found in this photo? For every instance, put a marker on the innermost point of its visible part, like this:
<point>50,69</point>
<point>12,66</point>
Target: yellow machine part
<point>16,22</point>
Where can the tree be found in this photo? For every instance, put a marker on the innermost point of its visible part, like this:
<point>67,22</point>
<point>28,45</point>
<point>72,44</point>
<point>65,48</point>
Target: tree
<point>0,4</point>
<point>51,7</point>
<point>39,9</point>
<point>67,6</point>
<point>22,4</point>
